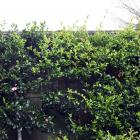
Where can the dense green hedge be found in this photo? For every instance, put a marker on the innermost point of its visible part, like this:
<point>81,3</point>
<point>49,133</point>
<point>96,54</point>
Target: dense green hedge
<point>92,81</point>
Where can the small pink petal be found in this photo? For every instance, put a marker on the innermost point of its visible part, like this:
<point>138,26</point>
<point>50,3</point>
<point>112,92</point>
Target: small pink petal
<point>14,88</point>
<point>46,120</point>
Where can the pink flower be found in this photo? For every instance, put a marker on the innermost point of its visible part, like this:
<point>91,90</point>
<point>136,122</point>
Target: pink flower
<point>46,120</point>
<point>14,88</point>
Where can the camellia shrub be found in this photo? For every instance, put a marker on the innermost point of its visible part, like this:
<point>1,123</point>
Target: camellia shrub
<point>91,82</point>
<point>16,76</point>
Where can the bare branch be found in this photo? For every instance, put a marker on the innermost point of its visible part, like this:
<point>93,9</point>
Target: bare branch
<point>135,11</point>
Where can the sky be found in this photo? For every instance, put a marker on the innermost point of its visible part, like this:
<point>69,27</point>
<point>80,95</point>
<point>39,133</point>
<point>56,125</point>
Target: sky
<point>97,13</point>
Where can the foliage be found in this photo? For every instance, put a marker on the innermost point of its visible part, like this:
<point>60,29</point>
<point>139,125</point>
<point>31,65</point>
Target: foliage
<point>16,110</point>
<point>91,81</point>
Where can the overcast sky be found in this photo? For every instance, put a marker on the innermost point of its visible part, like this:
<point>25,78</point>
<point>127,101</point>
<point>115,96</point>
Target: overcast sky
<point>54,12</point>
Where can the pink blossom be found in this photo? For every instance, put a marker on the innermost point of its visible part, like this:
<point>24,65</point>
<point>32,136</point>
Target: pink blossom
<point>46,120</point>
<point>14,88</point>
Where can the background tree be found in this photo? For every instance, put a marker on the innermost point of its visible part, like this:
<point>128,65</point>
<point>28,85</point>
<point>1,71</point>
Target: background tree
<point>133,7</point>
